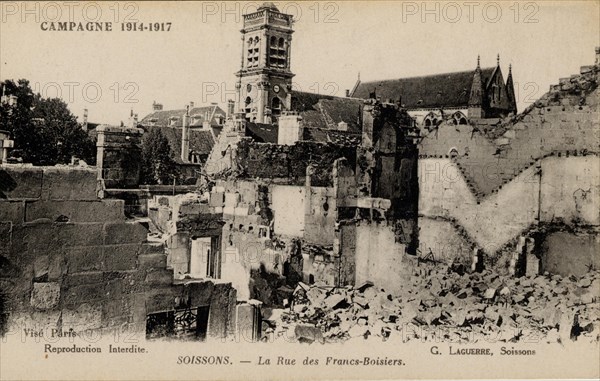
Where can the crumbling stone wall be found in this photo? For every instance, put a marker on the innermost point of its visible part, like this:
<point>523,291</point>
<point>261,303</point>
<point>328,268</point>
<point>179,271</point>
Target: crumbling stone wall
<point>567,191</point>
<point>289,163</point>
<point>73,261</point>
<point>387,166</point>
<point>119,156</point>
<point>320,216</point>
<point>254,256</point>
<point>492,183</point>
<point>267,232</point>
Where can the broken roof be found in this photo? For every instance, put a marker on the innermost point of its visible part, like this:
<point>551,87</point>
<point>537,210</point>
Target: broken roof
<point>326,111</point>
<point>431,91</point>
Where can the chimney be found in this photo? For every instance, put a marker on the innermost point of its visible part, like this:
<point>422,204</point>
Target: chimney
<point>342,126</point>
<point>85,119</point>
<point>347,93</point>
<point>185,138</point>
<point>156,106</point>
<point>230,108</point>
<point>191,105</point>
<point>132,119</point>
<point>290,129</point>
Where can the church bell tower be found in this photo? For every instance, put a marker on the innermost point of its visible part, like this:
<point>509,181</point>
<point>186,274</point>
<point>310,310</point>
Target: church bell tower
<point>264,82</point>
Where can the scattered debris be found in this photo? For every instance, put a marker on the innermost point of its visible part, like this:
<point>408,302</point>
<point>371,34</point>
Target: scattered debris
<point>445,305</point>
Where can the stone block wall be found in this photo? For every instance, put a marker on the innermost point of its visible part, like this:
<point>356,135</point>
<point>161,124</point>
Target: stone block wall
<point>119,156</point>
<point>72,261</point>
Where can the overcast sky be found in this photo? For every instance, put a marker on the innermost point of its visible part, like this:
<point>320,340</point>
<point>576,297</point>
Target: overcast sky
<point>332,43</point>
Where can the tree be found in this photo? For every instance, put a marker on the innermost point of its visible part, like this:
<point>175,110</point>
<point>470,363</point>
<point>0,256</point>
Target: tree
<point>44,130</point>
<point>158,166</point>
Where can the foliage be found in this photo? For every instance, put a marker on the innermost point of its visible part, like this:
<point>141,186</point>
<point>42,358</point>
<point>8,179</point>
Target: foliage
<point>44,130</point>
<point>158,166</point>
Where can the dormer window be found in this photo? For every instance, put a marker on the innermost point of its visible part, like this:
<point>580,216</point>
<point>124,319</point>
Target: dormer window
<point>196,118</point>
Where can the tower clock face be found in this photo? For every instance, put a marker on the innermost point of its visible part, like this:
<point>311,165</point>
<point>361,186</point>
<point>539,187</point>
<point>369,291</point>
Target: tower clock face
<point>276,88</point>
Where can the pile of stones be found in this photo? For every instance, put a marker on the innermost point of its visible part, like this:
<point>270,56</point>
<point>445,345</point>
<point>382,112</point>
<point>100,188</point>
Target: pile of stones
<point>437,303</point>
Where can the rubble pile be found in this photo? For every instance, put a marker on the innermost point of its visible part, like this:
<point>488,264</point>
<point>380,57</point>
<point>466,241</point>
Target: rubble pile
<point>438,303</point>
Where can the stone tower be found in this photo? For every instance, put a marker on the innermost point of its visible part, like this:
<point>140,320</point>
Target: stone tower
<point>265,81</point>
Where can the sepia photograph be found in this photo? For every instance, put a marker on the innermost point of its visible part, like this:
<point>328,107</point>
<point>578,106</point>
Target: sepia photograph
<point>299,190</point>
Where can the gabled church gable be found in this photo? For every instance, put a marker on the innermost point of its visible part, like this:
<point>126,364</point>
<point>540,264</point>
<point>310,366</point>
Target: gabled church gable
<point>496,93</point>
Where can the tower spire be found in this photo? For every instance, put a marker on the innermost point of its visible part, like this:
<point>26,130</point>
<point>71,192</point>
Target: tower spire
<point>478,59</point>
<point>509,69</point>
<point>498,59</point>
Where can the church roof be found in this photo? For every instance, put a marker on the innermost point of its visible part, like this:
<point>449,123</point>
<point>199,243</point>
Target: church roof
<point>174,118</point>
<point>326,111</point>
<point>431,91</point>
<point>201,141</point>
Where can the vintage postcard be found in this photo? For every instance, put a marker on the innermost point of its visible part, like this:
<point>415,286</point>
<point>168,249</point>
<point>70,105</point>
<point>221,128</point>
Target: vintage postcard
<point>309,190</point>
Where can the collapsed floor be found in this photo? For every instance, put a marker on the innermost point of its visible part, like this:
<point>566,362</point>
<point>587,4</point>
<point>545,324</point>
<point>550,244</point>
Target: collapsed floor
<point>441,303</point>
